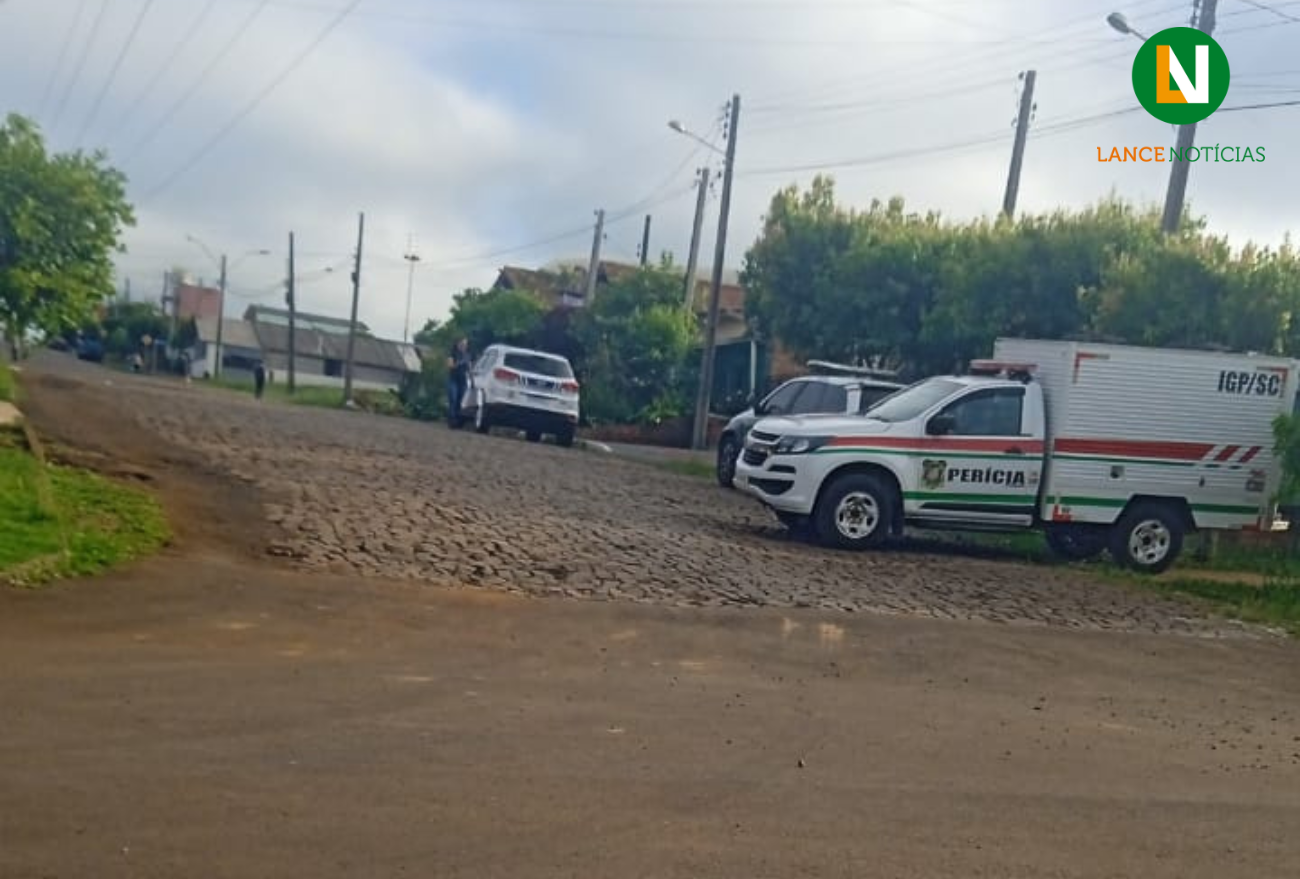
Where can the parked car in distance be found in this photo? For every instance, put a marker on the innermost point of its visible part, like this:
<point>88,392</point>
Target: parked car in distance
<point>90,349</point>
<point>527,390</point>
<point>806,395</point>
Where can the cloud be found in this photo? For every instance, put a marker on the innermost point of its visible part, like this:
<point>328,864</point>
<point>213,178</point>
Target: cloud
<point>480,126</point>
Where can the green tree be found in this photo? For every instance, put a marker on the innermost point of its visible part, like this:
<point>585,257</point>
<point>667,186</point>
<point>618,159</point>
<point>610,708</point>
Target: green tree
<point>61,218</point>
<point>635,341</point>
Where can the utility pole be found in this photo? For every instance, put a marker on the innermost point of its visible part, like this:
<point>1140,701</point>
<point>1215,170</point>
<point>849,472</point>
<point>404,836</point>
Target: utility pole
<point>594,268</point>
<point>290,298</point>
<point>645,242</point>
<point>1177,192</point>
<point>693,258</point>
<point>352,327</point>
<point>411,258</point>
<point>701,425</point>
<point>1018,151</point>
<point>221,315</point>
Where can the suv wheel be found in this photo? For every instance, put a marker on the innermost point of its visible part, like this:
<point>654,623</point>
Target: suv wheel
<point>728,452</point>
<point>1148,538</point>
<point>566,436</point>
<point>854,512</point>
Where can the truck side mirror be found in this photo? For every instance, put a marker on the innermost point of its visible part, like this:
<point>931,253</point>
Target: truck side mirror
<point>941,424</point>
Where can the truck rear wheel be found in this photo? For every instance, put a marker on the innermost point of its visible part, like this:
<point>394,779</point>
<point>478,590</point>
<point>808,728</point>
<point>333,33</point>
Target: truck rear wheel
<point>1076,543</point>
<point>854,512</point>
<point>1147,538</point>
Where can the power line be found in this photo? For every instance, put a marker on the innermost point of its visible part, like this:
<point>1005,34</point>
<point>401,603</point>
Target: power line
<point>896,155</point>
<point>177,48</point>
<point>583,231</point>
<point>63,54</point>
<point>1265,106</point>
<point>203,75</point>
<point>1273,9</point>
<point>792,100</point>
<point>117,66</point>
<point>81,62</point>
<point>248,109</point>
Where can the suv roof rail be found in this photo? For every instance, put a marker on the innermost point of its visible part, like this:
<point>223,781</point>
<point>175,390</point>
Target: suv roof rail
<point>1022,372</point>
<point>827,366</point>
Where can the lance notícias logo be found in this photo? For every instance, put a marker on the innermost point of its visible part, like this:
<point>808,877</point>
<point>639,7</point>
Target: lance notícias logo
<point>1181,76</point>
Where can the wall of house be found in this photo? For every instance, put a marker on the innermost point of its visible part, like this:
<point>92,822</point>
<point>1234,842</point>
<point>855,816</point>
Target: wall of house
<point>316,372</point>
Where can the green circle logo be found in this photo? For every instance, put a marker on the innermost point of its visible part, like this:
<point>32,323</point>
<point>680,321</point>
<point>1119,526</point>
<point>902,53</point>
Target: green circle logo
<point>1181,75</point>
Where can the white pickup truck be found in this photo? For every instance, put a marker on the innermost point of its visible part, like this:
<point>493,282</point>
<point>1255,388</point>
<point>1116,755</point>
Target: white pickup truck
<point>1102,446</point>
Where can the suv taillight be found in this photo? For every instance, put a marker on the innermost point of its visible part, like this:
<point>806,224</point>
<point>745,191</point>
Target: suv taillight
<point>569,387</point>
<point>505,375</point>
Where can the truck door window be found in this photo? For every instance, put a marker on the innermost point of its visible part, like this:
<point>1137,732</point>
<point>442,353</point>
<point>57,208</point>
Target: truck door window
<point>821,397</point>
<point>782,400</point>
<point>996,412</point>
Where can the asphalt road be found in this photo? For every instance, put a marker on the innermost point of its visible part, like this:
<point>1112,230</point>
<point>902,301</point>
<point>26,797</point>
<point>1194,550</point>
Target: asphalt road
<point>218,712</point>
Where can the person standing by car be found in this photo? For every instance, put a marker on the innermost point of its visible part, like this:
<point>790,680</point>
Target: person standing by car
<point>458,364</point>
<point>259,379</point>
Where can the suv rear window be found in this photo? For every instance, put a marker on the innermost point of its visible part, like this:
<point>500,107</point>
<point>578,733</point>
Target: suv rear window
<point>538,364</point>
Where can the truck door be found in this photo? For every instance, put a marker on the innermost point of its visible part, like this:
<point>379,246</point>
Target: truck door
<point>982,461</point>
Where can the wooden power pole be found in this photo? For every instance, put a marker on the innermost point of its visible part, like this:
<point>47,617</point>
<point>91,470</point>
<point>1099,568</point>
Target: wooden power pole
<point>645,241</point>
<point>593,267</point>
<point>356,296</point>
<point>705,391</point>
<point>1018,151</point>
<point>693,256</point>
<point>1176,194</point>
<point>291,300</point>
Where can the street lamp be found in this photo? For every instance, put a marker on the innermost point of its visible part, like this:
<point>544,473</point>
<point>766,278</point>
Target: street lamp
<point>1119,22</point>
<point>700,426</point>
<point>1176,194</point>
<point>221,295</point>
<point>677,126</point>
<point>411,258</point>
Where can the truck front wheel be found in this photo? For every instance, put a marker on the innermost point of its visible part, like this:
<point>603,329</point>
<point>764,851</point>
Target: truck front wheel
<point>1076,543</point>
<point>854,512</point>
<point>1148,538</point>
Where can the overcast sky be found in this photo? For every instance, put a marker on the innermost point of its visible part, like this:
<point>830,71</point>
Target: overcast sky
<point>491,130</point>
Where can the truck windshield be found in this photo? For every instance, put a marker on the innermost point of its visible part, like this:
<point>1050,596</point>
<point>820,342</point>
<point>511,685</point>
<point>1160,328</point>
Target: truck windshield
<point>910,403</point>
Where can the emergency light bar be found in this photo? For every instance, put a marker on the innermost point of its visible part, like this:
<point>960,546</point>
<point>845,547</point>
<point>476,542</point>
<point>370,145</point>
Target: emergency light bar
<point>866,372</point>
<point>1003,369</point>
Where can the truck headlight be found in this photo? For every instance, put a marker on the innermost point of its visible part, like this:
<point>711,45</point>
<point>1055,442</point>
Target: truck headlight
<point>799,445</point>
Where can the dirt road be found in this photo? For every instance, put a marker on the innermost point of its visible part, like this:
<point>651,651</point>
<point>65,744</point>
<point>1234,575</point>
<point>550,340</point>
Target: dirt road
<point>215,713</point>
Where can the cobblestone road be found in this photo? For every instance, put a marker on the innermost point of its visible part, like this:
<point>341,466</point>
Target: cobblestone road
<point>393,498</point>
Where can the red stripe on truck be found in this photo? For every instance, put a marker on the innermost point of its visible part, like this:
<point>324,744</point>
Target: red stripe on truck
<point>1134,449</point>
<point>1227,453</point>
<point>941,444</point>
<point>1250,456</point>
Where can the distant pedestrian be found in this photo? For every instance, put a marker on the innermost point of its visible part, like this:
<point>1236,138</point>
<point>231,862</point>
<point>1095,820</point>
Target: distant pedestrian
<point>458,364</point>
<point>259,379</point>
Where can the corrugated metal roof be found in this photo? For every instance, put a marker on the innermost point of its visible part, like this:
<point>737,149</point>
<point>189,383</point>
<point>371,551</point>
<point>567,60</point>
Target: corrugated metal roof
<point>234,333</point>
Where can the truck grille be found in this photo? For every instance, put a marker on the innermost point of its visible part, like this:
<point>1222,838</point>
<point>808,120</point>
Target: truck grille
<point>759,447</point>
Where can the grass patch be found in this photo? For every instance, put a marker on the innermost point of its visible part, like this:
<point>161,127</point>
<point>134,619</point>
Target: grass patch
<point>382,402</point>
<point>63,522</point>
<point>1275,603</point>
<point>698,469</point>
<point>8,387</point>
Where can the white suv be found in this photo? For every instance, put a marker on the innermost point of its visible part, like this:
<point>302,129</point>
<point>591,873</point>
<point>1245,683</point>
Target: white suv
<point>528,390</point>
